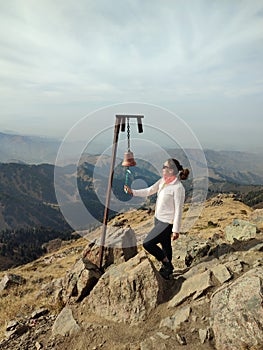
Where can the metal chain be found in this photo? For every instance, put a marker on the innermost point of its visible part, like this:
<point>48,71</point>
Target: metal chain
<point>128,134</point>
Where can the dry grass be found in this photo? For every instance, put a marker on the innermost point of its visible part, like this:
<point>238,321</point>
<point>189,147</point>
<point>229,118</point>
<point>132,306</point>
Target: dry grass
<point>220,215</point>
<point>20,301</point>
<point>215,218</point>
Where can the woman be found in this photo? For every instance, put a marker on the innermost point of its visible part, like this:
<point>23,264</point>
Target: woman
<point>168,212</point>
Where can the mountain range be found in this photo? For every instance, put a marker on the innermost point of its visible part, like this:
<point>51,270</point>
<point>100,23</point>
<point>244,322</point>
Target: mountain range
<point>28,149</point>
<point>230,166</point>
<point>28,196</point>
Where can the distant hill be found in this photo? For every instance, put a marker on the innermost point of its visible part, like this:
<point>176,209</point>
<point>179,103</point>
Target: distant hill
<point>28,199</point>
<point>29,213</point>
<point>28,149</point>
<point>227,166</point>
<point>237,167</point>
<point>23,245</point>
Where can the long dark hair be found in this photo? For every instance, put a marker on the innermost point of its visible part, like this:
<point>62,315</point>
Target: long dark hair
<point>177,167</point>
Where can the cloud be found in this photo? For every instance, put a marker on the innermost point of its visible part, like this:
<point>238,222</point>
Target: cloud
<point>62,52</point>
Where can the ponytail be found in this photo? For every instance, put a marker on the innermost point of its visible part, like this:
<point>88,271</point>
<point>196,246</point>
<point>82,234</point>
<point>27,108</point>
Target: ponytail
<point>184,174</point>
<point>175,164</point>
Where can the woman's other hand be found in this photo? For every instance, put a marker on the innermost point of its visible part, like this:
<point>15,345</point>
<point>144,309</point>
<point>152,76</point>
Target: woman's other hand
<point>175,236</point>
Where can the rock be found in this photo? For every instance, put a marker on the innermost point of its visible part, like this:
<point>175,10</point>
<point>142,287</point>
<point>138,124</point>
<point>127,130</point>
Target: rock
<point>153,343</point>
<point>119,223</point>
<point>257,218</point>
<point>52,245</point>
<point>196,253</point>
<point>195,285</point>
<point>78,282</point>
<point>237,312</point>
<point>240,230</point>
<point>65,323</point>
<point>127,292</point>
<point>174,322</point>
<point>217,202</point>
<point>163,336</point>
<point>40,312</point>
<point>12,325</point>
<point>258,263</point>
<point>181,339</point>
<point>235,266</point>
<point>201,267</point>
<point>38,345</point>
<point>205,334</point>
<point>194,318</point>
<point>10,280</point>
<point>221,249</point>
<point>120,246</point>
<point>257,248</point>
<point>53,288</point>
<point>18,331</point>
<point>221,273</point>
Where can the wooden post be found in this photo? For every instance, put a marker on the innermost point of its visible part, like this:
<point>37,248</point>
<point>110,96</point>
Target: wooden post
<point>119,122</point>
<point>108,195</point>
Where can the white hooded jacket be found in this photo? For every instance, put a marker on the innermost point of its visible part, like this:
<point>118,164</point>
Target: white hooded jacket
<point>170,201</point>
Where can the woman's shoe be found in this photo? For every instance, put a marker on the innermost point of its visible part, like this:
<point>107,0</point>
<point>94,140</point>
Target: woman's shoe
<point>166,270</point>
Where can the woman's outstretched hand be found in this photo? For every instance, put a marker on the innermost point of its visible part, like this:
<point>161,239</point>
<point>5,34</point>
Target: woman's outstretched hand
<point>127,189</point>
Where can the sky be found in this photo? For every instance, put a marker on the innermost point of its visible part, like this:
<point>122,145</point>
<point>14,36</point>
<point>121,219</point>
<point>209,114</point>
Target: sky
<point>200,59</point>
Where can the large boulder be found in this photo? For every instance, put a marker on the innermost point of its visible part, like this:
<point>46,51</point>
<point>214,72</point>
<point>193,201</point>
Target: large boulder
<point>79,281</point>
<point>195,286</point>
<point>240,230</point>
<point>237,313</point>
<point>257,218</point>
<point>127,292</point>
<point>120,245</point>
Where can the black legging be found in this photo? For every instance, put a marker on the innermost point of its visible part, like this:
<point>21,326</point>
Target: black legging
<point>161,233</point>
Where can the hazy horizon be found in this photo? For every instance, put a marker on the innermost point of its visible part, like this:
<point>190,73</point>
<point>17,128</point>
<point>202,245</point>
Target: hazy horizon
<point>99,148</point>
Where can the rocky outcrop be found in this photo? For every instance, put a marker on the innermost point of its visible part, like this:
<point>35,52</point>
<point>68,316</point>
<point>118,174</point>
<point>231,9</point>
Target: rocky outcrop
<point>127,292</point>
<point>79,281</point>
<point>237,312</point>
<point>213,302</point>
<point>240,230</point>
<point>120,246</point>
<point>193,286</point>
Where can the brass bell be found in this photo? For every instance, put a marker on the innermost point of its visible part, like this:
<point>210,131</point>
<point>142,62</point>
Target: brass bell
<point>128,159</point>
